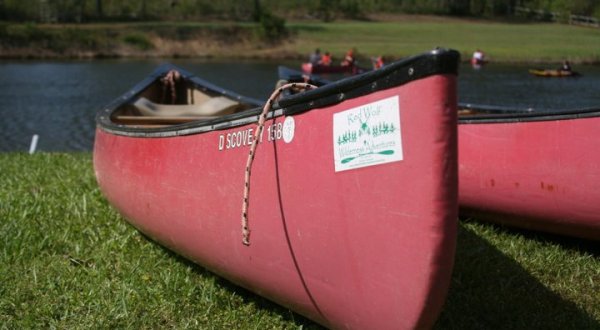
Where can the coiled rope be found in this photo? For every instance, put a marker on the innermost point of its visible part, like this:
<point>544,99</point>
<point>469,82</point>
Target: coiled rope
<point>257,134</point>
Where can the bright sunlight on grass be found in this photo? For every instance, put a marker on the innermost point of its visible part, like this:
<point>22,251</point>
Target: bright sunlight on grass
<point>504,42</point>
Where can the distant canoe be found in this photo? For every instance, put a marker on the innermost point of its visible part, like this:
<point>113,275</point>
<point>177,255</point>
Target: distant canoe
<point>353,206</point>
<point>287,74</point>
<point>526,168</point>
<point>553,73</point>
<point>310,68</point>
<point>478,61</point>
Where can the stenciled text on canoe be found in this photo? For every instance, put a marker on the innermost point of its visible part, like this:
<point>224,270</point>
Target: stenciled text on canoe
<point>245,137</point>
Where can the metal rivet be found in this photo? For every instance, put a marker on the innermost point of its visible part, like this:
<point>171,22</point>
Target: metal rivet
<point>411,71</point>
<point>341,96</point>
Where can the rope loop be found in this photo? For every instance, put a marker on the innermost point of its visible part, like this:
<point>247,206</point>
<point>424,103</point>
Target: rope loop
<point>169,82</point>
<point>261,122</point>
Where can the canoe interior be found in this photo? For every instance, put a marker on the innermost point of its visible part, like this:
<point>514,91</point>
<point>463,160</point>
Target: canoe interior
<point>162,104</point>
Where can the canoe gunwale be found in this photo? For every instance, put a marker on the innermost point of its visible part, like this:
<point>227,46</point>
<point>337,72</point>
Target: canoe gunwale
<point>492,113</point>
<point>437,61</point>
<point>527,115</point>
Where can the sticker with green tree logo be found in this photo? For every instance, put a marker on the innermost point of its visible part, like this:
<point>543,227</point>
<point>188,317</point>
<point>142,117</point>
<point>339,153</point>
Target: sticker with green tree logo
<point>367,135</point>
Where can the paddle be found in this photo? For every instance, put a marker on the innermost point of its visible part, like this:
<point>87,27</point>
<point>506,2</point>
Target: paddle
<point>384,152</point>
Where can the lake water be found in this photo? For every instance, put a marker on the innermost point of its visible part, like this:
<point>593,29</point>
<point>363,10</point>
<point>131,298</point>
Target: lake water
<point>58,100</point>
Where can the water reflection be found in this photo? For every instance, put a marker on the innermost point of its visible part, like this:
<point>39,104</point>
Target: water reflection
<point>58,100</point>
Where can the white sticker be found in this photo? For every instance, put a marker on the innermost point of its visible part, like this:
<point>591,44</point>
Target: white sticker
<point>289,126</point>
<point>367,135</point>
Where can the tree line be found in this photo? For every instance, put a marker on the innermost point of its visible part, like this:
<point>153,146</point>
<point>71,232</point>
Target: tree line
<point>82,11</point>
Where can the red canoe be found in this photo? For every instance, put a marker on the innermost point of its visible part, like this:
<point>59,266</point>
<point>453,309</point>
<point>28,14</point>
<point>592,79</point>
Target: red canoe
<point>534,170</point>
<point>524,167</point>
<point>353,202</point>
<point>310,68</point>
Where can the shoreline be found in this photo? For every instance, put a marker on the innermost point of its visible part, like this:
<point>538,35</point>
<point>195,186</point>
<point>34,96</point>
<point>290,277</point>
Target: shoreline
<point>276,55</point>
<point>507,43</point>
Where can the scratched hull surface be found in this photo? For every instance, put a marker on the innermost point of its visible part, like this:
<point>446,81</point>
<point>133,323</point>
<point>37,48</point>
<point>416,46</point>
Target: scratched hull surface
<point>347,236</point>
<point>533,170</point>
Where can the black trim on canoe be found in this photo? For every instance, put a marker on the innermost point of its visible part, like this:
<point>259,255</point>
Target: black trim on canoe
<point>437,61</point>
<point>488,113</point>
<point>516,115</point>
<point>103,117</point>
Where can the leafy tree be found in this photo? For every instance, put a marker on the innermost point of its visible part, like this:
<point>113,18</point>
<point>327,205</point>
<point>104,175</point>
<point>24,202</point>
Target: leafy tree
<point>99,12</point>
<point>272,28</point>
<point>326,9</point>
<point>267,12</point>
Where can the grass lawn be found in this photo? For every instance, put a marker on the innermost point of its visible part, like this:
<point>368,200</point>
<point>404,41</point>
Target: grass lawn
<point>395,37</point>
<point>504,42</point>
<point>68,260</point>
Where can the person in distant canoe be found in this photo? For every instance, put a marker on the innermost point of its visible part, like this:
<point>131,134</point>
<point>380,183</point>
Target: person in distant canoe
<point>326,59</point>
<point>566,66</point>
<point>478,57</point>
<point>315,57</point>
<point>349,58</point>
<point>377,62</point>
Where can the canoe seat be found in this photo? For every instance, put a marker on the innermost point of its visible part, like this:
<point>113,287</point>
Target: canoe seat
<point>214,106</point>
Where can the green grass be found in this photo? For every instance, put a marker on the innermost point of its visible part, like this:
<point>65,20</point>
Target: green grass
<point>138,40</point>
<point>69,261</point>
<point>505,42</point>
<point>510,279</point>
<point>408,35</point>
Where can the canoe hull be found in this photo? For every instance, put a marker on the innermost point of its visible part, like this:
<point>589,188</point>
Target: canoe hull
<point>539,175</point>
<point>370,247</point>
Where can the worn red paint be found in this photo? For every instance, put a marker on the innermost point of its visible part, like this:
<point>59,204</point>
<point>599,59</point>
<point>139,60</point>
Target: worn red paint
<point>542,158</point>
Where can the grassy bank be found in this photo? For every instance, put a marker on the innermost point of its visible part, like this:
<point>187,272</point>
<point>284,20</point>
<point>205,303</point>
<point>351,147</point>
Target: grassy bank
<point>393,37</point>
<point>502,42</point>
<point>151,39</point>
<point>70,261</point>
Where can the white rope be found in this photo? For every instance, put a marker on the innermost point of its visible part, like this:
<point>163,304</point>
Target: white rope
<point>257,134</point>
